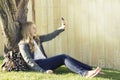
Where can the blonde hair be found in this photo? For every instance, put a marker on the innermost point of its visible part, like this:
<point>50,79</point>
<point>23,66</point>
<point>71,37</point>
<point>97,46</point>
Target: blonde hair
<point>25,32</point>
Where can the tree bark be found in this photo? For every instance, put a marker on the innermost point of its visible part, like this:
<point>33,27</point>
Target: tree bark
<point>13,13</point>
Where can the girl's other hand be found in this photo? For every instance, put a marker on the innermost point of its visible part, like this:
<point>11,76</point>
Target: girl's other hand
<point>62,24</point>
<point>49,71</point>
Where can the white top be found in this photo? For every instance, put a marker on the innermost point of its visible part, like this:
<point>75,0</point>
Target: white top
<point>38,53</point>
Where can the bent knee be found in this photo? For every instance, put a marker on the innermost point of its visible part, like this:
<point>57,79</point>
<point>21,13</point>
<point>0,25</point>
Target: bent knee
<point>64,55</point>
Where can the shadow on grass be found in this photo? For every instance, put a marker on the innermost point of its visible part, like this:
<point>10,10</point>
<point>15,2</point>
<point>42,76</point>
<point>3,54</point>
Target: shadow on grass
<point>62,70</point>
<point>110,74</point>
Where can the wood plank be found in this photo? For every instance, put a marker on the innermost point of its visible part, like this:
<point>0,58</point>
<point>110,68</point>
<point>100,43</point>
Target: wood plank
<point>64,35</point>
<point>92,18</point>
<point>51,44</point>
<point>71,25</point>
<point>57,18</point>
<point>41,19</point>
<point>84,31</point>
<point>115,18</point>
<point>29,16</point>
<point>109,39</point>
<point>77,30</point>
<point>100,33</point>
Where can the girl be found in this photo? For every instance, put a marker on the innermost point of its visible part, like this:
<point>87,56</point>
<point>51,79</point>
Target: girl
<point>33,53</point>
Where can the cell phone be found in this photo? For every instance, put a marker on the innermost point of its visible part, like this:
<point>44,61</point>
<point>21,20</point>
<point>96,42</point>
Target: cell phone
<point>62,18</point>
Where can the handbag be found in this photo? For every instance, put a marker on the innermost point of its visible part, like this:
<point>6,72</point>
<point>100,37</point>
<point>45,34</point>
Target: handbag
<point>13,61</point>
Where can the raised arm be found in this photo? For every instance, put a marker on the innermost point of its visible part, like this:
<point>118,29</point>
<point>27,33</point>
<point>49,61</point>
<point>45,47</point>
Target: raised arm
<point>50,36</point>
<point>25,52</point>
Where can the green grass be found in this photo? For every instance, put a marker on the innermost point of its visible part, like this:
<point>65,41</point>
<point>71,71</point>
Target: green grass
<point>60,74</point>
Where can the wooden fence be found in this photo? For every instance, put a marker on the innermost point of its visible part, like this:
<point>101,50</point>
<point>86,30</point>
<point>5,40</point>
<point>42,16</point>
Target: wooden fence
<point>92,32</point>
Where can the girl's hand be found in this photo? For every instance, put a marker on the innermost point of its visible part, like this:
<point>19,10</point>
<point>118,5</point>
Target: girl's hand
<point>4,69</point>
<point>49,71</point>
<point>62,24</point>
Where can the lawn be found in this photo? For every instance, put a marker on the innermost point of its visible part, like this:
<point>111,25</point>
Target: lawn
<point>60,74</point>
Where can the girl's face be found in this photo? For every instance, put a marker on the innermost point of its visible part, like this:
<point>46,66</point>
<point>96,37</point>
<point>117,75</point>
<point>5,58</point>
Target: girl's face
<point>33,30</point>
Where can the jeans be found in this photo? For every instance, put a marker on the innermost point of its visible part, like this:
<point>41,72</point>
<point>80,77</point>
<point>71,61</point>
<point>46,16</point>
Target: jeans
<point>56,61</point>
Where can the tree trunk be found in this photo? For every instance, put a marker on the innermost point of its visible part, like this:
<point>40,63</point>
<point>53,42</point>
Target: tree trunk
<point>13,13</point>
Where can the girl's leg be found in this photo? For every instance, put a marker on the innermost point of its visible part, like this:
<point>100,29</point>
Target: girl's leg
<point>74,61</point>
<point>51,63</point>
<point>56,61</point>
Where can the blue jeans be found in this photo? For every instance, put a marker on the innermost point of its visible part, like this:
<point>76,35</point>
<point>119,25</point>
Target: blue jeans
<point>56,61</point>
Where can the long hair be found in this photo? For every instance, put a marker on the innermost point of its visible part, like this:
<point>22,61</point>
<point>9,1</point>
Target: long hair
<point>25,32</point>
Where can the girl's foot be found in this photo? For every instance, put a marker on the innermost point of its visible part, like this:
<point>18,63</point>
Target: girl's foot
<point>97,72</point>
<point>100,72</point>
<point>93,73</point>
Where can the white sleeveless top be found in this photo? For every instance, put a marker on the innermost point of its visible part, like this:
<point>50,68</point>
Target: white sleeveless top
<point>38,53</point>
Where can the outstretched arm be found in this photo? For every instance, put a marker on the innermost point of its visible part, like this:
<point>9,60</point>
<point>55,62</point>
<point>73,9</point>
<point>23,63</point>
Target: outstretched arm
<point>50,36</point>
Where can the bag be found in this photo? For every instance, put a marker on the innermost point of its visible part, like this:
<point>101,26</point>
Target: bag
<point>14,62</point>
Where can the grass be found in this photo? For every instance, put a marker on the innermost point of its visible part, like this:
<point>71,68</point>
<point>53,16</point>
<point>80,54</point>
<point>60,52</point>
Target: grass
<point>61,73</point>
